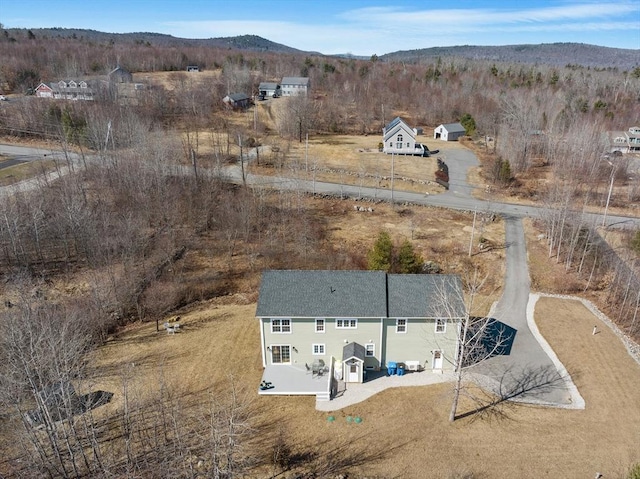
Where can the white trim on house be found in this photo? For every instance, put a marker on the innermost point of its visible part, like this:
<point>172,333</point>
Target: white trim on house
<point>401,325</point>
<point>264,352</point>
<point>283,326</point>
<point>272,349</point>
<point>370,350</point>
<point>346,323</point>
<point>437,366</point>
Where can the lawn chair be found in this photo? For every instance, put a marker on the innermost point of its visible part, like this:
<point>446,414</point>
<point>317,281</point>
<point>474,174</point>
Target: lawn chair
<point>170,329</point>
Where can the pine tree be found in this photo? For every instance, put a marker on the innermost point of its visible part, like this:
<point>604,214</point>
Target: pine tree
<point>381,256</point>
<point>409,262</point>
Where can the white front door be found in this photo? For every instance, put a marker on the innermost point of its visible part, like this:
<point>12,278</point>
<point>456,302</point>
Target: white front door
<point>438,359</point>
<point>354,373</point>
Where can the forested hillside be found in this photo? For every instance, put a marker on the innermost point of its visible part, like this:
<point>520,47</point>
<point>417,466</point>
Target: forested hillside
<point>556,54</point>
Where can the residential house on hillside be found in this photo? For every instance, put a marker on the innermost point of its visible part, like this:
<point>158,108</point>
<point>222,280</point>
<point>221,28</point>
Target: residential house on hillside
<point>68,90</point>
<point>321,327</point>
<point>623,141</point>
<point>400,139</point>
<point>292,86</point>
<point>120,75</point>
<point>269,89</point>
<point>118,83</point>
<point>449,132</point>
<point>237,101</point>
<point>193,68</point>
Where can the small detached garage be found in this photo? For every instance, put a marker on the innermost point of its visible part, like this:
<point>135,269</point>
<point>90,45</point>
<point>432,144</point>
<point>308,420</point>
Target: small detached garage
<point>449,132</point>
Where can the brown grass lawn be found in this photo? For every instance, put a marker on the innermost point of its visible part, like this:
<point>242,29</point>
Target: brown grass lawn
<point>348,159</point>
<point>404,432</point>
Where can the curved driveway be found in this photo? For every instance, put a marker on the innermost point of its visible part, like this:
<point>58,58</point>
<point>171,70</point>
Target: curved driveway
<point>527,373</point>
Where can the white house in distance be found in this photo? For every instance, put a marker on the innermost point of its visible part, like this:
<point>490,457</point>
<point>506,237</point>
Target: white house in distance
<point>449,132</point>
<point>623,141</point>
<point>321,327</point>
<point>400,139</point>
<point>66,90</point>
<point>292,86</point>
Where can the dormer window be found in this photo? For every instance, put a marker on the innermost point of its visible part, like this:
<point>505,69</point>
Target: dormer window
<point>62,84</point>
<point>73,84</point>
<point>83,84</point>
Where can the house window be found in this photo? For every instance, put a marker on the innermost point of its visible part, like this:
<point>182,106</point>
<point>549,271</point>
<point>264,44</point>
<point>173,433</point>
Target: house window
<point>369,350</point>
<point>280,325</point>
<point>400,139</point>
<point>280,354</point>
<point>319,325</point>
<point>441,325</point>
<point>390,144</point>
<point>317,349</point>
<point>346,323</point>
<point>399,146</point>
<point>401,325</point>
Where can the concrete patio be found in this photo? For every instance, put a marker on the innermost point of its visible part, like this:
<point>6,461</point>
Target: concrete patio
<point>353,393</point>
<point>288,379</point>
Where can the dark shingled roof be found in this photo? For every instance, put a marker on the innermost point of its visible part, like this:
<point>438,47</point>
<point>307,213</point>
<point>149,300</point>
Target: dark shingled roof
<point>425,295</point>
<point>353,350</point>
<point>359,294</point>
<point>331,294</point>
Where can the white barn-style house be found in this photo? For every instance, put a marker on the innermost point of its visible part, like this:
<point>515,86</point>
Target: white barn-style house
<point>400,139</point>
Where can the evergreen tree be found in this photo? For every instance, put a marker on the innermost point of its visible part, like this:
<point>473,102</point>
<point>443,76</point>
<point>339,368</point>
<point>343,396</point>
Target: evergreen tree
<point>469,124</point>
<point>409,262</point>
<point>381,256</point>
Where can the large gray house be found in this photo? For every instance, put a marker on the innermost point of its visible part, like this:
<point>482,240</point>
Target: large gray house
<point>319,327</point>
<point>293,86</point>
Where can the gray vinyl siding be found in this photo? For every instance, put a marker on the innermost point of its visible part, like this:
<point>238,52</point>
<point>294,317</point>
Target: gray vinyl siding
<point>419,341</point>
<point>303,336</point>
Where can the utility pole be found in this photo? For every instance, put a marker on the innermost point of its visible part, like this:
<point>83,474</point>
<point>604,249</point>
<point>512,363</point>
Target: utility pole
<point>244,179</point>
<point>392,161</point>
<point>473,228</point>
<point>606,208</point>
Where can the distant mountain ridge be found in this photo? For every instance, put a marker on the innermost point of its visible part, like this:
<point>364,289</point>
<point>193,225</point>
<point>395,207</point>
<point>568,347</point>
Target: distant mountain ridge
<point>241,42</point>
<point>553,54</point>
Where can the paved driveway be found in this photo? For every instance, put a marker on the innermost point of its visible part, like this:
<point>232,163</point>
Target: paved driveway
<point>528,373</point>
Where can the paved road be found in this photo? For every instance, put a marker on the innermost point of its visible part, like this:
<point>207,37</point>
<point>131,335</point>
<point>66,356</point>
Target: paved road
<point>527,373</point>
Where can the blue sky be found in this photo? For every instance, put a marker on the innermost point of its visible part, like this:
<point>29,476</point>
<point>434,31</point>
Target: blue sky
<point>360,27</point>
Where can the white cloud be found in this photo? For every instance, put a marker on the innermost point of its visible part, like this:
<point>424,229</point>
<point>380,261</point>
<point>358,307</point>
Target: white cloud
<point>385,29</point>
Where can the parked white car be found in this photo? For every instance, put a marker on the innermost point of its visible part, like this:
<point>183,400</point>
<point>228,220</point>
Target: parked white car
<point>3,98</point>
